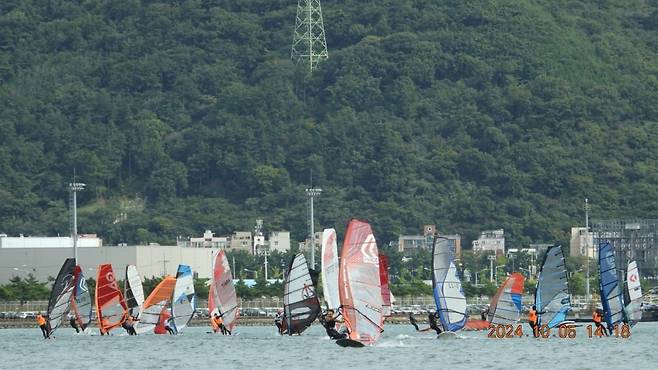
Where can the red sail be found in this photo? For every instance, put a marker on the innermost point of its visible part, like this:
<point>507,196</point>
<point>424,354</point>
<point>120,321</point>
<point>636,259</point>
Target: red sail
<point>111,309</point>
<point>360,288</point>
<point>383,279</point>
<point>222,298</point>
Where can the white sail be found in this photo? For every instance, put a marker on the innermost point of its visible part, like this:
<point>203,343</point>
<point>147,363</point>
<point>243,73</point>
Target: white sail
<point>183,302</point>
<point>330,268</point>
<point>634,293</point>
<point>134,292</point>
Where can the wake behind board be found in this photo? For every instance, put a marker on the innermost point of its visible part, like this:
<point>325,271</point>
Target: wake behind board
<point>345,342</point>
<point>448,335</point>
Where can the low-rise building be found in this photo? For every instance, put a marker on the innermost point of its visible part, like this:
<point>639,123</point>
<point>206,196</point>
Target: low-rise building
<point>490,241</point>
<point>241,241</point>
<point>582,243</point>
<point>23,242</point>
<point>209,240</point>
<point>279,241</point>
<point>407,244</point>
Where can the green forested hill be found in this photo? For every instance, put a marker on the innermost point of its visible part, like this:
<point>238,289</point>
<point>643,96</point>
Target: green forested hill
<point>186,115</point>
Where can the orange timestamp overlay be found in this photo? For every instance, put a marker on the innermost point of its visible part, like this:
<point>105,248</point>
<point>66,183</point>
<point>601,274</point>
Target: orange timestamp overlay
<point>506,331</point>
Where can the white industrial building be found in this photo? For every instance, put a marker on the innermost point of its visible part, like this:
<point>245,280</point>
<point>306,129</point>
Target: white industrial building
<point>490,241</point>
<point>42,257</point>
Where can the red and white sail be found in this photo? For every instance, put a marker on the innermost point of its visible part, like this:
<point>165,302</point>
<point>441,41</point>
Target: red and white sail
<point>383,279</point>
<point>222,298</point>
<point>360,286</point>
<point>111,309</point>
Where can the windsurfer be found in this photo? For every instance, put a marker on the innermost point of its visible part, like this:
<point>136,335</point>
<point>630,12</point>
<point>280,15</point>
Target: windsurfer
<point>597,315</point>
<point>73,323</point>
<point>41,320</point>
<point>129,325</point>
<point>219,323</point>
<point>278,321</point>
<point>532,320</point>
<point>432,318</point>
<point>328,320</point>
<point>167,326</point>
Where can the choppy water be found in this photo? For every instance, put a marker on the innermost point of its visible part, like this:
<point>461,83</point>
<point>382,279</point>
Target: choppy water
<point>260,348</point>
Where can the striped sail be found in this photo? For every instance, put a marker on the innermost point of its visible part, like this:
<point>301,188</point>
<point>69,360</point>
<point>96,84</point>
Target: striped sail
<point>222,298</point>
<point>448,292</point>
<point>111,308</point>
<point>59,303</point>
<point>611,298</point>
<point>633,293</point>
<point>184,301</point>
<point>300,302</point>
<point>506,305</point>
<point>81,300</point>
<point>552,291</point>
<point>359,284</point>
<point>134,292</point>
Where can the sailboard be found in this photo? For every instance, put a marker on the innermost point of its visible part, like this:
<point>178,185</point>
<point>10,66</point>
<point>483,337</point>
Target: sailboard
<point>81,299</point>
<point>609,288</point>
<point>360,285</point>
<point>134,291</point>
<point>222,298</point>
<point>184,301</point>
<point>111,308</point>
<point>155,303</point>
<point>300,302</point>
<point>552,291</point>
<point>506,307</point>
<point>59,303</point>
<point>633,294</point>
<point>330,269</point>
<point>383,280</point>
<point>448,292</point>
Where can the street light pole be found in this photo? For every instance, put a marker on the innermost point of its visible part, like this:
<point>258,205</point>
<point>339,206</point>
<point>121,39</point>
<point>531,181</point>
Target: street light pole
<point>492,258</point>
<point>587,295</point>
<point>312,192</point>
<point>75,187</point>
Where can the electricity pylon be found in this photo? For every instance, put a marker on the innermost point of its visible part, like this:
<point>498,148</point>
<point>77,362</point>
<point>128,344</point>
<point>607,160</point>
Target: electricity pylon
<point>309,44</point>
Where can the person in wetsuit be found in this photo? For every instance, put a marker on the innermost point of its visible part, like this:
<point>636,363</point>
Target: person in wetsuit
<point>129,325</point>
<point>432,318</point>
<point>73,323</point>
<point>278,321</point>
<point>329,322</point>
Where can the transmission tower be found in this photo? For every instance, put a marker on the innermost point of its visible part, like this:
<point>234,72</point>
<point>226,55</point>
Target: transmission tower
<point>309,44</point>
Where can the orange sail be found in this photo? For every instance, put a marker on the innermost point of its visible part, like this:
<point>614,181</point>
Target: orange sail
<point>157,301</point>
<point>360,287</point>
<point>111,309</point>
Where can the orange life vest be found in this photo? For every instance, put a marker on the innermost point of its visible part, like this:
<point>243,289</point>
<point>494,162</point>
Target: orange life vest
<point>532,316</point>
<point>596,317</point>
<point>41,320</point>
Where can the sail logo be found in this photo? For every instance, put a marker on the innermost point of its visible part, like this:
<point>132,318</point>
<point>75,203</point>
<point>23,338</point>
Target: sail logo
<point>82,284</point>
<point>633,278</point>
<point>111,281</point>
<point>369,250</point>
<point>308,292</point>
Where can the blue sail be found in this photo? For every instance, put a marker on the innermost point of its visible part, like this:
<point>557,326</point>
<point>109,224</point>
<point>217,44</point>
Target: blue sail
<point>609,286</point>
<point>552,293</point>
<point>184,300</point>
<point>448,292</point>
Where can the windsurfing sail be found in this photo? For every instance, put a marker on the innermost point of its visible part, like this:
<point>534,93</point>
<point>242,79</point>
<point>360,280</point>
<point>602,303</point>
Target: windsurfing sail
<point>505,307</point>
<point>383,279</point>
<point>609,285</point>
<point>222,298</point>
<point>448,291</point>
<point>300,303</point>
<point>134,292</point>
<point>81,300</point>
<point>359,284</point>
<point>633,295</point>
<point>155,303</point>
<point>60,295</point>
<point>330,269</point>
<point>111,309</point>
<point>552,292</point>
<point>184,302</point>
